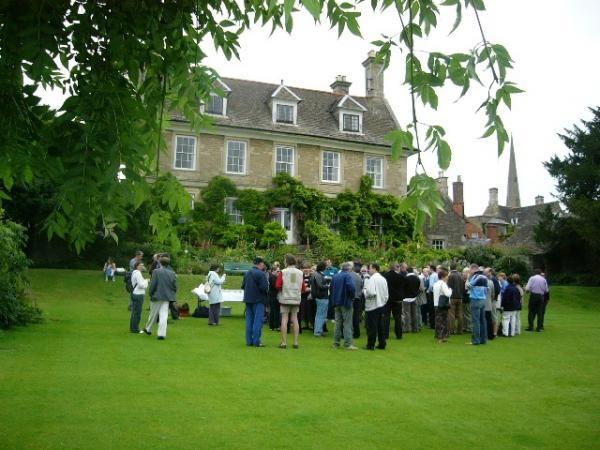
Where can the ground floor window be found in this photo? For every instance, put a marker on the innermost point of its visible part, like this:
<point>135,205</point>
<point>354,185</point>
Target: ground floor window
<point>438,244</point>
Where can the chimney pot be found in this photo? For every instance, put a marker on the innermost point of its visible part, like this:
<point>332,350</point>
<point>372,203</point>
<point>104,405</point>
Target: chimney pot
<point>493,197</point>
<point>442,182</point>
<point>341,85</point>
<point>539,200</point>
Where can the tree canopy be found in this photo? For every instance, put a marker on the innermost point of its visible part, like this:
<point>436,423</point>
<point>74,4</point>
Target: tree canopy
<point>578,181</point>
<point>124,64</point>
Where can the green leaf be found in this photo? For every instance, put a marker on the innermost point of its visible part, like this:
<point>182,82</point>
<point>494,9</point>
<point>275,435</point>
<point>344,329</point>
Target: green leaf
<point>314,8</point>
<point>444,154</point>
<point>288,7</point>
<point>423,207</point>
<point>477,4</point>
<point>488,132</point>
<point>458,17</point>
<point>512,89</point>
<point>353,26</point>
<point>8,182</point>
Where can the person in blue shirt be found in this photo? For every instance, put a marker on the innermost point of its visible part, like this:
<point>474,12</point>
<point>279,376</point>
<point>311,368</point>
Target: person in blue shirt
<point>433,278</point>
<point>478,288</point>
<point>329,272</point>
<point>330,269</point>
<point>342,295</point>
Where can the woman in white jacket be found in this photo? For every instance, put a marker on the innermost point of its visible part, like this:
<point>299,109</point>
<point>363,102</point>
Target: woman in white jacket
<point>215,296</point>
<point>441,313</point>
<point>137,296</point>
<point>376,296</point>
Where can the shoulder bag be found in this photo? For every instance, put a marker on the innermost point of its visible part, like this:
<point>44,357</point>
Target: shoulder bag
<point>443,302</point>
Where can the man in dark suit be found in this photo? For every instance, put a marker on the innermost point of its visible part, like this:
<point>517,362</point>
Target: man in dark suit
<point>395,278</point>
<point>256,288</point>
<point>163,289</point>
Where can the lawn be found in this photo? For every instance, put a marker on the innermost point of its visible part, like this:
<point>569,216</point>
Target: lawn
<point>81,380</point>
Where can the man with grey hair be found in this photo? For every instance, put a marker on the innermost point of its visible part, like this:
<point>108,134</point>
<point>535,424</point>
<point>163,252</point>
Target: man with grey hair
<point>342,294</point>
<point>163,289</point>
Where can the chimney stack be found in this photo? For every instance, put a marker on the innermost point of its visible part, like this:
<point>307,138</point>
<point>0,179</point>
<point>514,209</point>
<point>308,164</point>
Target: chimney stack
<point>373,76</point>
<point>340,86</point>
<point>442,182</point>
<point>457,197</point>
<point>539,200</point>
<point>493,197</point>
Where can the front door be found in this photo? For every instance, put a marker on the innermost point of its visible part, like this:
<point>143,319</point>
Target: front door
<point>285,218</point>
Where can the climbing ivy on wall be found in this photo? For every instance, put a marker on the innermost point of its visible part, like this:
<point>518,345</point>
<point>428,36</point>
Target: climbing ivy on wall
<point>364,218</point>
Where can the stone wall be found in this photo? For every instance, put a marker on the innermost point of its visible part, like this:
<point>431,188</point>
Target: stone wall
<point>260,165</point>
<point>449,227</point>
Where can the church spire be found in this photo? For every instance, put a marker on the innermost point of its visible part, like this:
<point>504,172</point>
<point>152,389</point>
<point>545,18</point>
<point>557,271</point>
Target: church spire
<point>513,199</point>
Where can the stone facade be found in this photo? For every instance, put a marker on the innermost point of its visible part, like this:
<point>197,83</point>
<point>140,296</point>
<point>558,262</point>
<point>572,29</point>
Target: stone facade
<point>210,161</point>
<point>449,228</point>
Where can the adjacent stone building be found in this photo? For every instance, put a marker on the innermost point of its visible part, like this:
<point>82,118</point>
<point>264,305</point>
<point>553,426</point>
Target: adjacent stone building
<point>328,140</point>
<point>509,226</point>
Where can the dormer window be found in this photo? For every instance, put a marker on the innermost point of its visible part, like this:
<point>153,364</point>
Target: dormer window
<point>284,105</point>
<point>350,115</point>
<point>351,122</point>
<point>215,105</point>
<point>284,113</point>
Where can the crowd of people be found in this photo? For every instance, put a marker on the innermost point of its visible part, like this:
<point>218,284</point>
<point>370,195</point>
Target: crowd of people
<point>301,297</point>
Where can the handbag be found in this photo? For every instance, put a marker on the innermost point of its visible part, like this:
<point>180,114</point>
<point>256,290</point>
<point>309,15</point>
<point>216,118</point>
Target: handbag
<point>207,286</point>
<point>443,302</point>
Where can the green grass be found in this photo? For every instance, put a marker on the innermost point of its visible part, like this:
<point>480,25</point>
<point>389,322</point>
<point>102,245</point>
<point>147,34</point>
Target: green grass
<point>81,380</point>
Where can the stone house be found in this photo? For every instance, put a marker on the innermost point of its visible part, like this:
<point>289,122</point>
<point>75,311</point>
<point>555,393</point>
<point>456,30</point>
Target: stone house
<point>326,139</point>
<point>452,229</point>
<point>507,226</point>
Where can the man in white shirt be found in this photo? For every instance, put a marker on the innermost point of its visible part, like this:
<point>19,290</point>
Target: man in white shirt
<point>376,296</point>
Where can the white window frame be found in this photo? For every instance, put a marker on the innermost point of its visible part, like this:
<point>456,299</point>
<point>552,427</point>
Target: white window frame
<point>245,169</point>
<point>235,215</point>
<point>438,244</point>
<point>294,106</point>
<point>339,167</point>
<point>212,94</point>
<point>293,162</point>
<point>195,154</point>
<point>351,116</point>
<point>192,200</point>
<point>353,113</point>
<point>381,185</point>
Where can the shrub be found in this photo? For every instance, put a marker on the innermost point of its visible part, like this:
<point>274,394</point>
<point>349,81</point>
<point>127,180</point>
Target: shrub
<point>575,279</point>
<point>514,264</point>
<point>13,266</point>
<point>484,256</point>
<point>273,234</point>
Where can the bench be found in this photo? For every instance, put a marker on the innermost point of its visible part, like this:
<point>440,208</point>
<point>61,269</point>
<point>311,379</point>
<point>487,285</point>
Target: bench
<point>237,268</point>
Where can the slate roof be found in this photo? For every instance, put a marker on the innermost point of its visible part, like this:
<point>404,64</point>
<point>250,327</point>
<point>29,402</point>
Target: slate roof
<point>248,106</point>
<point>527,217</point>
